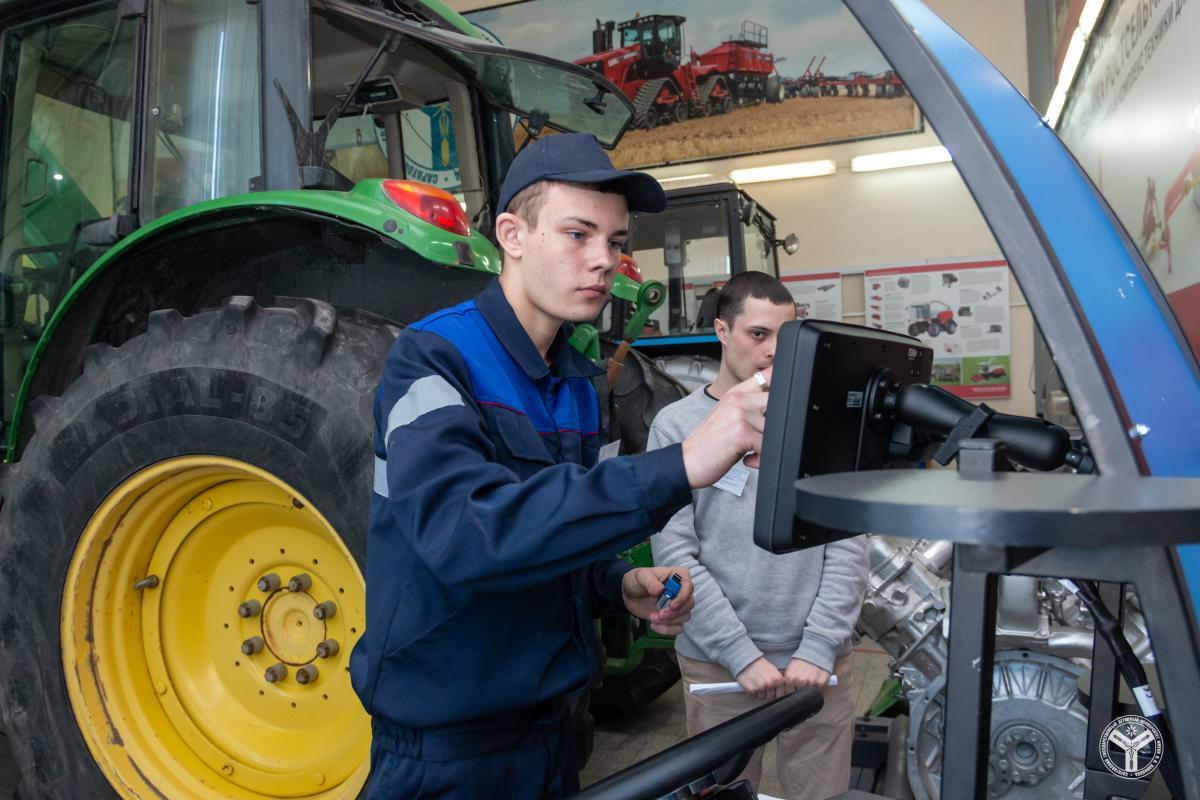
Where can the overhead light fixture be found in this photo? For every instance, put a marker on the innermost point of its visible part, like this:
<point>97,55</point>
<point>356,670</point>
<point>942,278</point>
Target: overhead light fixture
<point>677,178</point>
<point>900,158</point>
<point>1072,58</point>
<point>784,172</point>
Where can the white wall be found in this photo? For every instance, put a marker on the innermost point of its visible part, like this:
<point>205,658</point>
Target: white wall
<point>849,221</point>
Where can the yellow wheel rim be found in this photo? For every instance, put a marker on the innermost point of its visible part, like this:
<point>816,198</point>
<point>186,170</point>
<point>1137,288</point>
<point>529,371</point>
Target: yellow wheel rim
<point>203,683</point>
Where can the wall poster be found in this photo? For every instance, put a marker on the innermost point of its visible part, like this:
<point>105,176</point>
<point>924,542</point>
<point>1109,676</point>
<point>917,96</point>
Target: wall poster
<point>818,295</point>
<point>1133,121</point>
<point>960,309</point>
<point>711,79</point>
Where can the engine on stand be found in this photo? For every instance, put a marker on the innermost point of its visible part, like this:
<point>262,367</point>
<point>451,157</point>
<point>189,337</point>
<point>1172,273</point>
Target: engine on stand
<point>1043,645</point>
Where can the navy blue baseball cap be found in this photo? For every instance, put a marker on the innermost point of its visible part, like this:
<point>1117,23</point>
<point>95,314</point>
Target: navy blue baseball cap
<point>578,158</point>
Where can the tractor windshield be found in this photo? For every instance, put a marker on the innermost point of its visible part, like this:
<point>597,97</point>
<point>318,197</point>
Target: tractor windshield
<point>564,96</point>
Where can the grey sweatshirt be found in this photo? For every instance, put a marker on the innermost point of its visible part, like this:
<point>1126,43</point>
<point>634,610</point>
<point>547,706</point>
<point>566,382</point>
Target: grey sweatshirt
<point>750,602</point>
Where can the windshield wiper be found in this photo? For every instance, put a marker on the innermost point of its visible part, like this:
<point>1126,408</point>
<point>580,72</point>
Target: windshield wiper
<point>315,172</point>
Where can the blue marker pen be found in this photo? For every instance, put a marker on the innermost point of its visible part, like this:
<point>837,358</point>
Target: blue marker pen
<point>671,587</point>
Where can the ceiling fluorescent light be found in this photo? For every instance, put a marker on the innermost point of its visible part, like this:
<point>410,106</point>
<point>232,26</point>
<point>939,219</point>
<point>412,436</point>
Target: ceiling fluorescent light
<point>1057,101</point>
<point>676,178</point>
<point>1089,16</point>
<point>900,158</point>
<point>784,172</point>
<point>1071,59</point>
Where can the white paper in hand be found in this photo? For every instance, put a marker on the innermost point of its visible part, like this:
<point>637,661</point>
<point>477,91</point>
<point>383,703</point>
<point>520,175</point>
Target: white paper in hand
<point>731,687</point>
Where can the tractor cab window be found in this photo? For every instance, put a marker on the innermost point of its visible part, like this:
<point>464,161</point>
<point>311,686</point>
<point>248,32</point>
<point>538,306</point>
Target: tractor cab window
<point>413,116</point>
<point>758,242</point>
<point>637,34</point>
<point>69,89</point>
<point>687,247</point>
<point>357,147</point>
<point>203,121</point>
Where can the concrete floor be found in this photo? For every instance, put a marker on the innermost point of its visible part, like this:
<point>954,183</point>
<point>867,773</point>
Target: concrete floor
<point>618,745</point>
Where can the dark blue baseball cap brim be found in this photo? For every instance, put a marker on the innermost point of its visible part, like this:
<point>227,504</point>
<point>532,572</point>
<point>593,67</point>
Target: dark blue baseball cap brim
<point>578,158</point>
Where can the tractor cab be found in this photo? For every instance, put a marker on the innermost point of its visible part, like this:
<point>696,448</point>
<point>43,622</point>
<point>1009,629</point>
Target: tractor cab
<point>117,115</point>
<point>661,38</point>
<point>707,235</point>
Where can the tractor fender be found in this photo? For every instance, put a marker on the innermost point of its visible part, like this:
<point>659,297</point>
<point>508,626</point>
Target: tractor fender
<point>203,249</point>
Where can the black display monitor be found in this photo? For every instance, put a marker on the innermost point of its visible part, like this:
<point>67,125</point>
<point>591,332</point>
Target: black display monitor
<point>827,413</point>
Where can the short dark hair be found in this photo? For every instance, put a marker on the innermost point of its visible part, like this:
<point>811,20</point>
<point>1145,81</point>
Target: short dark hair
<point>758,285</point>
<point>528,202</point>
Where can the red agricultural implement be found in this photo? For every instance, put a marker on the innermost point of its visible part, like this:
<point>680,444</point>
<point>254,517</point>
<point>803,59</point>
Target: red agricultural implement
<point>646,61</point>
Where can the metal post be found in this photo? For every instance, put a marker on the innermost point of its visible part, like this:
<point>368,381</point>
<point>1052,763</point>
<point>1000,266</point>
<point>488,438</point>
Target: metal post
<point>285,50</point>
<point>968,716</point>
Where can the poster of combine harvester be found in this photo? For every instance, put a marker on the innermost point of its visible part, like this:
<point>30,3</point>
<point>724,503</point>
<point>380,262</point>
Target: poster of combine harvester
<point>712,79</point>
<point>960,309</point>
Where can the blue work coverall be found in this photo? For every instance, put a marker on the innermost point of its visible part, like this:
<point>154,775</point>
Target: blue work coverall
<point>490,548</point>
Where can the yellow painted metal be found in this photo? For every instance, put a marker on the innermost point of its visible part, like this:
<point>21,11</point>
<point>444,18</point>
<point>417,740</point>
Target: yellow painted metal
<point>168,703</point>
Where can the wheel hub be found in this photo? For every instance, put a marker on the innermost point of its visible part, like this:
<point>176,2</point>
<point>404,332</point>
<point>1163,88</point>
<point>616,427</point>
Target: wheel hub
<point>289,629</point>
<point>208,680</point>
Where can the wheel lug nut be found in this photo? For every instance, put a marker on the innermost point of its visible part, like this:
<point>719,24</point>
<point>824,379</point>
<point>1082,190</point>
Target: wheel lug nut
<point>327,649</point>
<point>252,645</point>
<point>275,673</point>
<point>250,608</point>
<point>300,583</point>
<point>269,582</point>
<point>326,610</point>
<point>306,674</point>
<point>148,582</point>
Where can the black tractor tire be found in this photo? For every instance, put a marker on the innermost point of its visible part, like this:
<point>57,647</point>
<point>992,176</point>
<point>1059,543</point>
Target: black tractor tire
<point>619,696</point>
<point>640,392</point>
<point>951,327</point>
<point>680,111</point>
<point>287,389</point>
<point>916,329</point>
<point>934,328</point>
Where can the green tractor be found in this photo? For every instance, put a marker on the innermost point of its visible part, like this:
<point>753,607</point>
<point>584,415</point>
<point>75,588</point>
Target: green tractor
<point>217,214</point>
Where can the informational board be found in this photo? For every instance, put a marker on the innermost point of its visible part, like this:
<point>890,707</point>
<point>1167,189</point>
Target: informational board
<point>960,309</point>
<point>817,295</point>
<point>1133,121</point>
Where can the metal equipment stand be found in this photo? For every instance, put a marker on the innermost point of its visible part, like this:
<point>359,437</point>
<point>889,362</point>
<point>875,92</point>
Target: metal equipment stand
<point>1109,529</point>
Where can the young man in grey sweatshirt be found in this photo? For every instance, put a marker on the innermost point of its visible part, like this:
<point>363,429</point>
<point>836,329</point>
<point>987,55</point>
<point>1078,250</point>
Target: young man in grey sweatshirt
<point>772,622</point>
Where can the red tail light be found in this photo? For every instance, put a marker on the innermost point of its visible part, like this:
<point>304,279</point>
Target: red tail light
<point>629,268</point>
<point>435,206</point>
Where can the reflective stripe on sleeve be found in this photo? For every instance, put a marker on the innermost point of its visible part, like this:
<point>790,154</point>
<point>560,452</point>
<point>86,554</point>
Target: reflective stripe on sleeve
<point>381,477</point>
<point>424,395</point>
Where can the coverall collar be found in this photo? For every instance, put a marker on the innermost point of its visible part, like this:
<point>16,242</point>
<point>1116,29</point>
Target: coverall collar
<point>565,361</point>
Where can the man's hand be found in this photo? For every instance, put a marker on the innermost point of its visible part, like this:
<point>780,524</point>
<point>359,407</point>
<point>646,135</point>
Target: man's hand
<point>801,673</point>
<point>641,587</point>
<point>762,680</point>
<point>734,428</point>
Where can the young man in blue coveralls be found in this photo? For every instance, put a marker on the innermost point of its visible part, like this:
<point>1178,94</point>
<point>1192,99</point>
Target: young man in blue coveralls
<point>492,524</point>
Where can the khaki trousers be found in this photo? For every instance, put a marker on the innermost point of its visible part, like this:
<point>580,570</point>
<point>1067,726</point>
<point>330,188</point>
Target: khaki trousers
<point>813,757</point>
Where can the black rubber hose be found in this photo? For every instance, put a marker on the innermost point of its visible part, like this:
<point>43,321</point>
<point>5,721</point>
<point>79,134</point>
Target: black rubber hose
<point>1109,629</point>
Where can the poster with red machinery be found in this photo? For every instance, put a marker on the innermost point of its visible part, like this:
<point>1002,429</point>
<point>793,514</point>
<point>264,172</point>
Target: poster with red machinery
<point>960,309</point>
<point>1133,121</point>
<point>818,295</point>
<point>711,79</point>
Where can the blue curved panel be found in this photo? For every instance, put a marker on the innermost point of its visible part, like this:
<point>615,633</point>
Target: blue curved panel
<point>1141,347</point>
